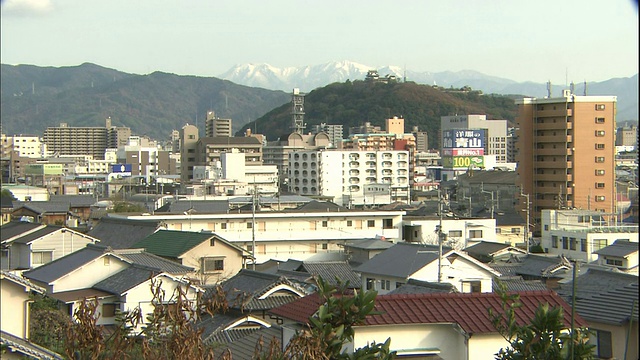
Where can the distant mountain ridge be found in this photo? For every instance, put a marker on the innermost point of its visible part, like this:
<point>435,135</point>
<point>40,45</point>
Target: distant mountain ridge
<point>310,77</point>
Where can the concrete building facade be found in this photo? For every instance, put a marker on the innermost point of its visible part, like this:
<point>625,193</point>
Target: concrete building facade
<point>566,153</point>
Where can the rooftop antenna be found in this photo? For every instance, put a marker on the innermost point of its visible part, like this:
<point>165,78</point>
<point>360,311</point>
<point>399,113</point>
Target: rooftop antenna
<point>585,88</point>
<point>549,88</point>
<point>571,87</point>
<point>404,75</point>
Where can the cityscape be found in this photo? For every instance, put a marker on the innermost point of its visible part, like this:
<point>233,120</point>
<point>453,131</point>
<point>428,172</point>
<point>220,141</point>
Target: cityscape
<point>366,216</point>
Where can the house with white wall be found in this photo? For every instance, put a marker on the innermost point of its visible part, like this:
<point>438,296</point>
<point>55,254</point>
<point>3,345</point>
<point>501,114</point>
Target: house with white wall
<point>16,292</point>
<point>395,266</point>
<point>312,228</point>
<point>578,234</point>
<point>28,245</point>
<point>459,232</point>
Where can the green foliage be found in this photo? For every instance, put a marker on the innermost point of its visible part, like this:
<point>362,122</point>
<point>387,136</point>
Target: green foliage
<point>537,249</point>
<point>48,324</point>
<point>123,206</point>
<point>6,193</point>
<point>542,338</point>
<point>355,102</point>
<point>333,327</point>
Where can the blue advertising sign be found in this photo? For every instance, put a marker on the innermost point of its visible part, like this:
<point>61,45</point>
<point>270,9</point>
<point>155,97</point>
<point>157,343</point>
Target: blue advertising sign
<point>121,169</point>
<point>463,139</point>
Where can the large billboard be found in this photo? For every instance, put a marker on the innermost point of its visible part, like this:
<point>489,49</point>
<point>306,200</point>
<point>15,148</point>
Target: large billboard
<point>121,169</point>
<point>463,139</point>
<point>462,152</point>
<point>43,169</point>
<point>462,162</point>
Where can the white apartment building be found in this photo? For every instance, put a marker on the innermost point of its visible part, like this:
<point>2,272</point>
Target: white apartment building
<point>351,177</point>
<point>28,146</point>
<point>231,176</point>
<point>295,234</point>
<point>577,234</point>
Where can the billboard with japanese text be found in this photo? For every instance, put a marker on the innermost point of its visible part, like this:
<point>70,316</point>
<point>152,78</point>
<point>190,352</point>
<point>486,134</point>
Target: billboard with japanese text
<point>463,139</point>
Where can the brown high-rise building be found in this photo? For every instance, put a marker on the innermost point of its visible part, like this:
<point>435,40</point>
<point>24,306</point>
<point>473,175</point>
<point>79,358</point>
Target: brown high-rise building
<point>566,153</point>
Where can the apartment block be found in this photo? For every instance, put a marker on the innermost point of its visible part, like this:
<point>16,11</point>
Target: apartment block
<point>351,177</point>
<point>566,153</point>
<point>496,132</point>
<point>69,140</point>
<point>215,126</point>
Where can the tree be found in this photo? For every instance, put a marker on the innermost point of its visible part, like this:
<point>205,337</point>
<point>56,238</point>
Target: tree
<point>542,338</point>
<point>6,193</point>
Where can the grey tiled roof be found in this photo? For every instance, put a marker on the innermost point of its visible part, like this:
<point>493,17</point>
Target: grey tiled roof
<point>244,348</point>
<point>517,283</point>
<point>141,257</point>
<point>26,348</point>
<point>62,266</point>
<point>330,270</point>
<point>401,260</point>
<point>535,265</point>
<point>122,233</point>
<point>26,239</point>
<point>620,248</point>
<point>42,207</point>
<point>123,281</point>
<point>369,244</point>
<point>596,281</point>
<point>485,248</point>
<point>198,207</point>
<point>74,200</point>
<point>611,307</point>
<point>423,287</point>
<point>315,206</point>
<point>14,228</point>
<point>243,291</point>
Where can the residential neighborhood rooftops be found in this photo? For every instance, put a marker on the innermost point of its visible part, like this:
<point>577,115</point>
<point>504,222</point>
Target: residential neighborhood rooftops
<point>125,280</point>
<point>300,309</point>
<point>414,286</point>
<point>174,243</point>
<point>369,244</point>
<point>620,248</point>
<point>468,310</point>
<point>119,233</point>
<point>614,306</point>
<point>329,271</point>
<point>401,260</point>
<point>15,228</point>
<point>30,350</point>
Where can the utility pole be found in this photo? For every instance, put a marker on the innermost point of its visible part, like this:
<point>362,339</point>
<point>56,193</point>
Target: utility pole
<point>439,236</point>
<point>488,192</point>
<point>253,223</point>
<point>526,229</point>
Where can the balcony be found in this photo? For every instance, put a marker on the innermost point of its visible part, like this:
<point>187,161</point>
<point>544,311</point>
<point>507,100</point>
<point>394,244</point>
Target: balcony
<point>554,138</point>
<point>560,125</point>
<point>562,112</point>
<point>552,164</point>
<point>560,151</point>
<point>554,177</point>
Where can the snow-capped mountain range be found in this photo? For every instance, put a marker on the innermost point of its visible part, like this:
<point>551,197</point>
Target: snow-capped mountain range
<point>309,77</point>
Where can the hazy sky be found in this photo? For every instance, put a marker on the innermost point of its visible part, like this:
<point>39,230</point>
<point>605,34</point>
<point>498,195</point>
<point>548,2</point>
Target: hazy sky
<point>538,40</point>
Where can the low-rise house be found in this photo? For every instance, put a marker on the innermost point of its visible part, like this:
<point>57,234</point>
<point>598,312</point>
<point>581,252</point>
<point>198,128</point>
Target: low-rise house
<point>608,301</point>
<point>26,245</point>
<point>486,251</point>
<point>119,233</point>
<point>622,255</point>
<point>360,251</point>
<point>443,325</point>
<point>578,234</point>
<point>119,279</point>
<point>6,208</point>
<point>14,328</point>
<point>78,204</point>
<point>250,295</point>
<point>214,258</point>
<point>550,270</point>
<point>44,212</point>
<point>395,266</point>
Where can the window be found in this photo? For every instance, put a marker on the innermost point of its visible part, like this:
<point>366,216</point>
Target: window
<point>370,282</point>
<point>599,172</point>
<point>599,185</point>
<point>599,244</point>
<point>387,224</point>
<point>602,340</point>
<point>385,284</point>
<point>599,107</point>
<point>325,223</point>
<point>41,257</point>
<point>599,146</point>
<point>398,284</point>
<point>565,242</point>
<point>223,226</point>
<point>600,198</point>
<point>371,223</point>
<point>325,246</point>
<point>474,234</point>
<point>108,310</point>
<point>515,230</point>
<point>583,245</point>
<point>455,233</point>
<point>250,248</point>
<point>599,120</point>
<point>572,243</point>
<point>614,262</point>
<point>349,222</point>
<point>599,133</point>
<point>471,286</point>
<point>212,265</point>
<point>546,228</point>
<point>249,225</point>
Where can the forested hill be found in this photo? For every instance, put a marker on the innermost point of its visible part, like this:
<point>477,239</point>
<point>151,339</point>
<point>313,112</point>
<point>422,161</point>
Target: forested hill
<point>34,98</point>
<point>354,102</point>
